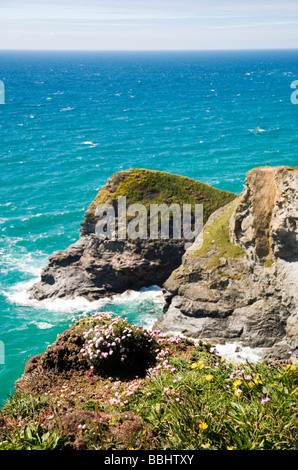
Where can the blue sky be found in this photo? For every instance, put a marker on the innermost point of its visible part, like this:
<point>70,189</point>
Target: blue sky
<point>148,24</point>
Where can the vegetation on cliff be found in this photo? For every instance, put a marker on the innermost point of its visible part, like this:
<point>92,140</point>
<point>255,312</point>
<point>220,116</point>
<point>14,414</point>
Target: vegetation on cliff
<point>159,187</point>
<point>182,396</point>
<point>217,239</point>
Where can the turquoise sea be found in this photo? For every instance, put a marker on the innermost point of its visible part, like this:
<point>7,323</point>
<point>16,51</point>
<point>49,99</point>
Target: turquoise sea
<point>72,119</point>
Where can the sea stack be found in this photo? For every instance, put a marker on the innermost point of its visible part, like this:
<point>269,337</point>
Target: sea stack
<point>95,268</point>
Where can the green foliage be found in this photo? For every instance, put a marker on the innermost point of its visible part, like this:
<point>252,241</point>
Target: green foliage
<point>33,437</point>
<point>217,239</point>
<point>93,406</point>
<point>216,405</point>
<point>25,405</point>
<point>157,187</point>
<point>190,399</point>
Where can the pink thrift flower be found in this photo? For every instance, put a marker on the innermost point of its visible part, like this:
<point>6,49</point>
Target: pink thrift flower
<point>265,400</point>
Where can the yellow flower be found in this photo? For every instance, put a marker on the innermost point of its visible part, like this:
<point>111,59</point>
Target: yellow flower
<point>251,384</point>
<point>199,364</point>
<point>230,448</point>
<point>206,446</point>
<point>209,377</point>
<point>238,392</point>
<point>292,367</point>
<point>222,359</point>
<point>236,384</point>
<point>203,426</point>
<point>257,379</point>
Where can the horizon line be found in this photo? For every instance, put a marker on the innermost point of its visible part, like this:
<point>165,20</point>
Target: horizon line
<point>153,50</point>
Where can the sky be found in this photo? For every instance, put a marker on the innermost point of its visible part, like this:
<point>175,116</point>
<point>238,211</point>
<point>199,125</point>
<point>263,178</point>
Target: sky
<point>148,24</point>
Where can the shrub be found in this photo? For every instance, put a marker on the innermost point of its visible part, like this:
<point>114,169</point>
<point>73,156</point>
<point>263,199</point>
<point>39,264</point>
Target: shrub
<point>33,437</point>
<point>114,347</point>
<point>25,405</point>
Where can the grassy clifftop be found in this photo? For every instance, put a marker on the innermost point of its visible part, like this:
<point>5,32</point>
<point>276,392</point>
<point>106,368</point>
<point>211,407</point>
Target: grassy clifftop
<point>186,396</point>
<point>157,187</point>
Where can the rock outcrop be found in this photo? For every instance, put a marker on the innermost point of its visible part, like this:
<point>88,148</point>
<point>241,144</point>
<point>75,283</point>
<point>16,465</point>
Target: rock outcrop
<point>241,284</point>
<point>94,267</point>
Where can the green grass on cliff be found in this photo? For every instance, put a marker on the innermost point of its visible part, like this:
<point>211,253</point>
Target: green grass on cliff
<point>189,399</point>
<point>216,239</point>
<point>158,187</point>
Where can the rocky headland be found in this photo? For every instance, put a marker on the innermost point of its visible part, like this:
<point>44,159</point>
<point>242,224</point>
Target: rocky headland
<point>95,268</point>
<point>241,284</point>
<point>107,385</point>
<point>238,284</point>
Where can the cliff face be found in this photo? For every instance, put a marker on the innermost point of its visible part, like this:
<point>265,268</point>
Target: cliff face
<point>94,267</point>
<point>241,284</point>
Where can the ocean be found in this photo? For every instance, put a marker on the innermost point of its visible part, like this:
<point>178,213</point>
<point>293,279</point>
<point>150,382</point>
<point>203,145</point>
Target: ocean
<point>72,119</point>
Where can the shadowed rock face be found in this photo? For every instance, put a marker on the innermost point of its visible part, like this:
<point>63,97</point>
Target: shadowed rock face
<point>94,268</point>
<point>241,284</point>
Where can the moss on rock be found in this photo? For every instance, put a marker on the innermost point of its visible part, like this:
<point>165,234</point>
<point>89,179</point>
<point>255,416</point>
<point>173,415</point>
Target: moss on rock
<point>216,239</point>
<point>159,187</point>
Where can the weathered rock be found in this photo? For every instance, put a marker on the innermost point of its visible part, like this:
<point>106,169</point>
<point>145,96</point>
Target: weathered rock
<point>241,284</point>
<point>94,267</point>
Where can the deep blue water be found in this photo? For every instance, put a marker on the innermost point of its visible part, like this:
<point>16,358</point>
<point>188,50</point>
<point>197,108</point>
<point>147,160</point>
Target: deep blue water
<point>72,119</point>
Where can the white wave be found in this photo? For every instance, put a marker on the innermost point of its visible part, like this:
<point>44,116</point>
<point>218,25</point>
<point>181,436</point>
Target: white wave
<point>19,294</point>
<point>26,263</point>
<point>42,325</point>
<point>31,216</point>
<point>18,328</point>
<point>235,352</point>
<point>153,292</point>
<point>90,143</point>
<point>66,109</point>
<point>256,131</point>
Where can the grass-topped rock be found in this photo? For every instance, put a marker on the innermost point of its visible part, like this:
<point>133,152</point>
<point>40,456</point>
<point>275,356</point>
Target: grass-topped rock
<point>94,267</point>
<point>157,187</point>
